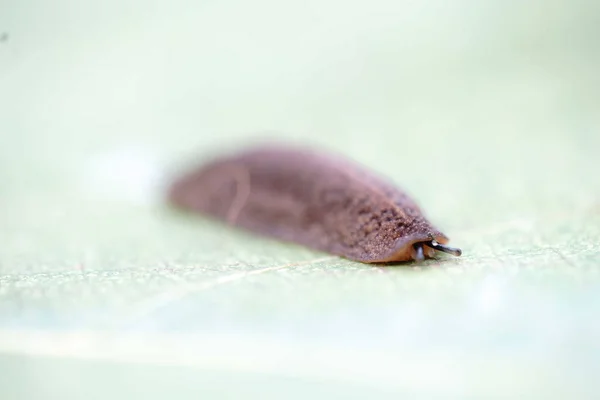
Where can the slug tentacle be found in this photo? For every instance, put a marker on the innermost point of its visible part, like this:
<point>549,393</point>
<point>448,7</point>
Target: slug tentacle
<point>446,249</point>
<point>419,256</point>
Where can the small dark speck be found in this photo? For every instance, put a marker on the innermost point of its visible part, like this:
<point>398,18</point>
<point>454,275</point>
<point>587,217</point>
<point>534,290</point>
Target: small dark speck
<point>4,37</point>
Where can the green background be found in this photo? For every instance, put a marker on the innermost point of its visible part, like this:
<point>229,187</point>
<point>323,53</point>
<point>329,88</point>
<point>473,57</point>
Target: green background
<point>488,113</point>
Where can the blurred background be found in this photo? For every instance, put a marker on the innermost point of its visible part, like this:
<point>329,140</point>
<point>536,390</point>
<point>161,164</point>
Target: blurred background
<point>488,113</point>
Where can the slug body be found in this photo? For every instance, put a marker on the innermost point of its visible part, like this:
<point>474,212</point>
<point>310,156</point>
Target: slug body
<point>319,200</point>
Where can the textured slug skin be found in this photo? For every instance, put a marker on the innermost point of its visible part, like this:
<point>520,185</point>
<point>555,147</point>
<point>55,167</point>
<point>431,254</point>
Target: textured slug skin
<point>320,200</point>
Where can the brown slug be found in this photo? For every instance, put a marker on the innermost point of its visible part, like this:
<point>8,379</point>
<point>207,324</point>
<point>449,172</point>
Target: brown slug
<point>313,198</point>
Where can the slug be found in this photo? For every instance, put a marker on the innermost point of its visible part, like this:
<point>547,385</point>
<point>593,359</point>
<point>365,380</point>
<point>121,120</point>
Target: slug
<point>310,197</point>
